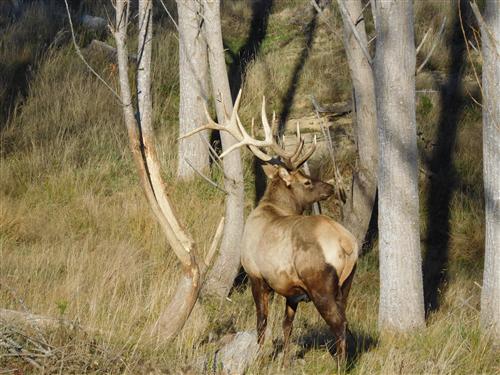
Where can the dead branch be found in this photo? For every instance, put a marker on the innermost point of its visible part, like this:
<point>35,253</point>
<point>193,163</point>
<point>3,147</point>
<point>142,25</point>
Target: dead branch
<point>434,44</point>
<point>323,17</point>
<point>347,16</point>
<point>207,179</point>
<point>484,25</point>
<point>469,56</point>
<point>423,40</point>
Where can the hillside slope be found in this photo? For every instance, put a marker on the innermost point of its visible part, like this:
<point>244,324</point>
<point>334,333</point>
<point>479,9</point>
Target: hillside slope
<point>78,241</point>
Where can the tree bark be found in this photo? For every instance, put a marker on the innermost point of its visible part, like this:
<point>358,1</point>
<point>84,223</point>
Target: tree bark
<point>359,206</point>
<point>401,291</point>
<point>142,145</point>
<point>221,277</point>
<point>193,82</point>
<point>490,296</point>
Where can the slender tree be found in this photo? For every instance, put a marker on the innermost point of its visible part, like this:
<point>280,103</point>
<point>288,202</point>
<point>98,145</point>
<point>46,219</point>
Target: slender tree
<point>490,296</point>
<point>359,206</point>
<point>193,84</point>
<point>138,121</point>
<point>225,269</point>
<point>401,291</point>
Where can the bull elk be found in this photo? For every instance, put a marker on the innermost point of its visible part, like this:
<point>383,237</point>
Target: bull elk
<point>303,258</point>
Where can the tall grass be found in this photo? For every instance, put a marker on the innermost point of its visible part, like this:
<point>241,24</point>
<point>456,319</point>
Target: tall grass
<point>78,241</point>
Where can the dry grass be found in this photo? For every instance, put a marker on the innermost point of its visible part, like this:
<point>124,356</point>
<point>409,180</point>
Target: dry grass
<point>78,241</point>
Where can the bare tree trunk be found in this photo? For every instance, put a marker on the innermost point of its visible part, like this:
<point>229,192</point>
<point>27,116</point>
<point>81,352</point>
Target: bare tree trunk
<point>401,291</point>
<point>490,296</point>
<point>359,206</point>
<point>221,277</point>
<point>193,81</point>
<point>142,144</point>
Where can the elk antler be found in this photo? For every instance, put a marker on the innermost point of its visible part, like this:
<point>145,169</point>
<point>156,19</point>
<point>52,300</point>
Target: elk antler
<point>290,160</point>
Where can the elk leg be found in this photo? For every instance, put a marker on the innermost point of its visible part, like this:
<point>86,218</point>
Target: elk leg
<point>327,297</point>
<point>334,315</point>
<point>346,286</point>
<point>290,309</point>
<point>260,292</point>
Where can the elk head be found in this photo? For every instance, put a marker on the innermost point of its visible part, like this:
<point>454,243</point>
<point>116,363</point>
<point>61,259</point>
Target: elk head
<point>283,170</point>
<point>293,189</point>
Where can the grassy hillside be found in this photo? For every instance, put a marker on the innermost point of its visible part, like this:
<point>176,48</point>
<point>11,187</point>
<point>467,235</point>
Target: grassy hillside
<point>78,241</point>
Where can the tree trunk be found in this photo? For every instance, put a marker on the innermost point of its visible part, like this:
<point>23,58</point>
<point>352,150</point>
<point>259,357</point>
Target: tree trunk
<point>490,296</point>
<point>193,82</point>
<point>359,206</point>
<point>221,277</point>
<point>401,291</point>
<point>142,145</point>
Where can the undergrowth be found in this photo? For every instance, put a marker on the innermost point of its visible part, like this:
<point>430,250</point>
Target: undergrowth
<point>78,241</point>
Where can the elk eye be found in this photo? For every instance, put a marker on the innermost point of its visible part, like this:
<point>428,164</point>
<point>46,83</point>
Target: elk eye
<point>308,183</point>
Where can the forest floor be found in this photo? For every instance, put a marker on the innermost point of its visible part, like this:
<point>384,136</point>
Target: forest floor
<point>78,241</point>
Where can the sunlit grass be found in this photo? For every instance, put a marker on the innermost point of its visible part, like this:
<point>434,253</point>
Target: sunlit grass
<point>78,241</point>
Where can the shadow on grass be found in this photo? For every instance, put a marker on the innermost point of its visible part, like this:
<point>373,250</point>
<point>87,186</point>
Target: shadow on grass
<point>27,31</point>
<point>445,179</point>
<point>261,10</point>
<point>287,101</point>
<point>358,342</point>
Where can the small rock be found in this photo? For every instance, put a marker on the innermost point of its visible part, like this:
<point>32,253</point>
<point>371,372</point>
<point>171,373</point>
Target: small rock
<point>237,355</point>
<point>94,23</point>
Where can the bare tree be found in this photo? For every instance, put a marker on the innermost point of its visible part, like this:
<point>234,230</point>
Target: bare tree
<point>490,36</point>
<point>193,84</point>
<point>221,277</point>
<point>401,291</point>
<point>359,206</point>
<point>142,145</point>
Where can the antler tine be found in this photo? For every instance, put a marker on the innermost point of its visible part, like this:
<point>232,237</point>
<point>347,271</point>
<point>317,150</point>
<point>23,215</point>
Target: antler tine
<point>268,131</point>
<point>307,155</point>
<point>245,139</point>
<point>300,145</point>
<point>235,127</point>
<point>298,149</point>
<point>211,125</point>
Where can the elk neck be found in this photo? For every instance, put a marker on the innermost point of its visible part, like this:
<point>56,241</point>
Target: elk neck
<point>279,195</point>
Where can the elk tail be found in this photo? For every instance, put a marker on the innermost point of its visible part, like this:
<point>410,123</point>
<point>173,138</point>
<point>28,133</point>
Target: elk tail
<point>351,250</point>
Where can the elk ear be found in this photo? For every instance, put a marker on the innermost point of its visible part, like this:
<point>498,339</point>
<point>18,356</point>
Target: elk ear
<point>285,176</point>
<point>270,170</point>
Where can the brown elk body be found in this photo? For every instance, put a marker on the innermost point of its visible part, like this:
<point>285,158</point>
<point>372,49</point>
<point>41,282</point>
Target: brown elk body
<point>299,257</point>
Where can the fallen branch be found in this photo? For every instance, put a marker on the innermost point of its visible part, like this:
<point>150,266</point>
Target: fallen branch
<point>41,321</point>
<point>109,52</point>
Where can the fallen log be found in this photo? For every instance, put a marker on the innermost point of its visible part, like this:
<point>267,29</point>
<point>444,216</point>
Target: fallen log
<point>41,321</point>
<point>109,52</point>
